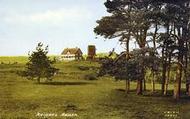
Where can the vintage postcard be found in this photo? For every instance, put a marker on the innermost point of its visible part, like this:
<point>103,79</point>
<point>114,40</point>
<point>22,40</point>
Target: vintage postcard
<point>94,59</point>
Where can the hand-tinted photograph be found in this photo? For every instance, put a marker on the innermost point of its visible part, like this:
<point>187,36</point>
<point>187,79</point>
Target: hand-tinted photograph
<point>94,59</point>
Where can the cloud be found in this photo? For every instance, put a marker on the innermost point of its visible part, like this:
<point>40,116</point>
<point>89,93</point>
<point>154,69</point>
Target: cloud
<point>55,17</point>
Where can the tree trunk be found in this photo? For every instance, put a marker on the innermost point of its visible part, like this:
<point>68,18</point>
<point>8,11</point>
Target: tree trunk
<point>144,84</point>
<point>166,82</point>
<point>164,62</point>
<point>140,81</point>
<point>38,79</point>
<point>139,87</point>
<point>187,86</point>
<point>127,58</point>
<point>163,77</point>
<point>181,38</point>
<point>186,45</point>
<point>188,89</point>
<point>142,43</point>
<point>177,87</point>
<point>186,66</point>
<point>188,73</point>
<point>154,36</point>
<point>153,82</point>
<point>168,76</point>
<point>127,86</point>
<point>154,45</point>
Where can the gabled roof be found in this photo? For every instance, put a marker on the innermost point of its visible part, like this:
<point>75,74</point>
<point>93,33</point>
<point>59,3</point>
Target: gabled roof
<point>71,51</point>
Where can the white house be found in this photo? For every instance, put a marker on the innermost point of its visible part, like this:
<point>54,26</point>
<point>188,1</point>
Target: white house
<point>71,54</point>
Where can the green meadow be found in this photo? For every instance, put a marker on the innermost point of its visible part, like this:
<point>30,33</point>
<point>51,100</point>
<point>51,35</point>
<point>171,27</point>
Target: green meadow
<point>77,90</point>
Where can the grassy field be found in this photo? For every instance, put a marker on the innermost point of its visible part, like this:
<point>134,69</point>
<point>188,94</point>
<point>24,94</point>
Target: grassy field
<point>72,93</point>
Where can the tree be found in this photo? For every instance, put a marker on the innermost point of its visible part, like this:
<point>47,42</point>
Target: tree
<point>39,65</point>
<point>125,25</point>
<point>121,69</point>
<point>131,69</point>
<point>176,21</point>
<point>166,22</point>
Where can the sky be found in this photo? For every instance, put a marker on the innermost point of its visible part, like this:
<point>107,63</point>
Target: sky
<point>56,23</point>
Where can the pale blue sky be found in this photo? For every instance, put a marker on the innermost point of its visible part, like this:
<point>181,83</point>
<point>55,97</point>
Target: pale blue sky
<point>57,23</point>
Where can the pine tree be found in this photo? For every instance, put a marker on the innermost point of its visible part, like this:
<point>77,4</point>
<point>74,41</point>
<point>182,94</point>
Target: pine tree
<point>39,65</point>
